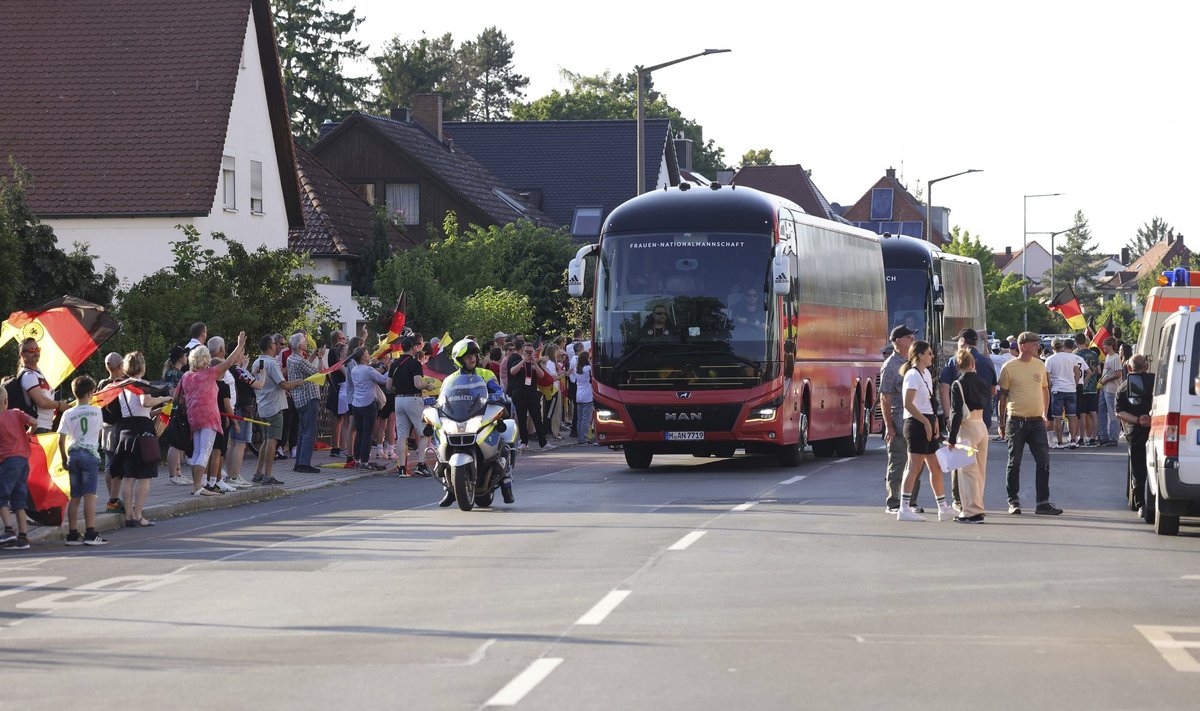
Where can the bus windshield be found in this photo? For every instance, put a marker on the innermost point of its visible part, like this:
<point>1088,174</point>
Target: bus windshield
<point>907,293</point>
<point>685,310</point>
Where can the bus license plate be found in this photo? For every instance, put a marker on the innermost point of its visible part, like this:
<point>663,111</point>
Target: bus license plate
<point>684,435</point>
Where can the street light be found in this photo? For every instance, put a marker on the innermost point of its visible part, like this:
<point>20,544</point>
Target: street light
<point>642,72</point>
<point>1052,236</point>
<point>1024,250</point>
<point>929,200</point>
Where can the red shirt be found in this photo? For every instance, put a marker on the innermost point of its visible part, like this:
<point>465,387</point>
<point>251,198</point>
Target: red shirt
<point>14,440</point>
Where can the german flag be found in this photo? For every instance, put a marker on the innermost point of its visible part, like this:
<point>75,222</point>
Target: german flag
<point>67,330</point>
<point>320,377</point>
<point>1105,332</point>
<point>49,483</point>
<point>1067,306</point>
<point>395,328</point>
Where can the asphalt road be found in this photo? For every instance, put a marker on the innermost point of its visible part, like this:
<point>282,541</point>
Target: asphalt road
<point>699,584</point>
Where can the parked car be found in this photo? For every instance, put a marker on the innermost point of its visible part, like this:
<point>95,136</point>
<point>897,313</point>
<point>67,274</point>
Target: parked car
<point>1173,451</point>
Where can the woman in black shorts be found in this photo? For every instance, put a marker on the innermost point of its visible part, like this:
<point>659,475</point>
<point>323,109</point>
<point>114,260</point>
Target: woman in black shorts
<point>921,433</point>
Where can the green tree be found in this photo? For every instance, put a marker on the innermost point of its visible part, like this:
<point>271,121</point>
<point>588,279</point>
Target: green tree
<point>431,306</point>
<point>493,83</point>
<point>1003,295</point>
<point>1123,318</point>
<point>1077,262</point>
<point>33,269</point>
<point>1148,235</point>
<point>314,49</point>
<point>760,156</point>
<point>418,67</point>
<point>259,292</point>
<point>489,310</point>
<point>615,97</point>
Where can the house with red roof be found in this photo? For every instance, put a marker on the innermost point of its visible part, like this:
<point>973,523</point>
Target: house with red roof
<point>791,182</point>
<point>137,117</point>
<point>888,208</point>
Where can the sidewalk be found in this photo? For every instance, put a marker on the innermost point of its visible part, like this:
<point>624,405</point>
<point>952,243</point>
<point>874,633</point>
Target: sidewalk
<point>167,500</point>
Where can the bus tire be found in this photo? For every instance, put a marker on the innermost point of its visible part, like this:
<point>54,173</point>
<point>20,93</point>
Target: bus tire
<point>637,457</point>
<point>864,430</point>
<point>824,448</point>
<point>789,455</point>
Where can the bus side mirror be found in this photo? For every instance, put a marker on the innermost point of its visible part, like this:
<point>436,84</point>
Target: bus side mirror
<point>577,269</point>
<point>781,272</point>
<point>939,295</point>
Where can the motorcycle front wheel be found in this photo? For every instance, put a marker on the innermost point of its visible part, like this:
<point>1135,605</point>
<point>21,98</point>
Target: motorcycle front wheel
<point>464,488</point>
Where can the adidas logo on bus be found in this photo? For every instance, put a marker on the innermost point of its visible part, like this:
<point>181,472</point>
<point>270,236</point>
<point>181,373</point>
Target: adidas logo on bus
<point>781,279</point>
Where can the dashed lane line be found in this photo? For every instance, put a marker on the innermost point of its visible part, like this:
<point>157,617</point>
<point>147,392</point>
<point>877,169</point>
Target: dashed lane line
<point>744,507</point>
<point>524,682</point>
<point>602,609</point>
<point>794,480</point>
<point>687,540</point>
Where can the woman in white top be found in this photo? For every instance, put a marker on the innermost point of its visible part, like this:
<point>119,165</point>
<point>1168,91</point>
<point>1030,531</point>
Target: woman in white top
<point>551,401</point>
<point>921,433</point>
<point>581,375</point>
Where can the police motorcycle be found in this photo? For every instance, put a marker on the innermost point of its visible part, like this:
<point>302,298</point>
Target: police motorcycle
<point>472,439</point>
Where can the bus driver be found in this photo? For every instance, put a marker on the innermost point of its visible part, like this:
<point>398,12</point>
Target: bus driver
<point>658,323</point>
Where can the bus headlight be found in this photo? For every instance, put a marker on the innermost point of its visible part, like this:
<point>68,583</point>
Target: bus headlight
<point>607,416</point>
<point>762,414</point>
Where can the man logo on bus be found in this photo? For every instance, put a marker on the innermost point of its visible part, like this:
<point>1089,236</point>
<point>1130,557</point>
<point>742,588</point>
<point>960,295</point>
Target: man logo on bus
<point>684,416</point>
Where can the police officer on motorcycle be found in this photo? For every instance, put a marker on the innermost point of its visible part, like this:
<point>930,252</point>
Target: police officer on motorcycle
<point>465,355</point>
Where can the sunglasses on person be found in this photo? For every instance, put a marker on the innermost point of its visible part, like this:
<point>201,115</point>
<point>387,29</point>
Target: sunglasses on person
<point>32,350</point>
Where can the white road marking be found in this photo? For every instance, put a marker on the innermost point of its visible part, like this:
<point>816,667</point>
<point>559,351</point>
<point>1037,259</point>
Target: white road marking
<point>1174,651</point>
<point>843,461</point>
<point>1191,577</point>
<point>100,592</point>
<point>687,540</point>
<point>602,609</point>
<point>793,480</point>
<point>560,471</point>
<point>475,658</point>
<point>524,682</point>
<point>13,586</point>
<point>745,506</point>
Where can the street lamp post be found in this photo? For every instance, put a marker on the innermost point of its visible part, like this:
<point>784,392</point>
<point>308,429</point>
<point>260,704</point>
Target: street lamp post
<point>642,73</point>
<point>1024,260</point>
<point>929,200</point>
<point>1052,236</point>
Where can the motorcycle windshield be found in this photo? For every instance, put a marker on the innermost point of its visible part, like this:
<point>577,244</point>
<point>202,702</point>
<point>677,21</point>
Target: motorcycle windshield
<point>465,398</point>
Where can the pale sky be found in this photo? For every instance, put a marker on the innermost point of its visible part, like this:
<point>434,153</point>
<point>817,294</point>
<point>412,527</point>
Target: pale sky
<point>1096,100</point>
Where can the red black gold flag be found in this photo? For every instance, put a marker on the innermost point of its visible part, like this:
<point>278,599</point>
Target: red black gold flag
<point>395,328</point>
<point>67,330</point>
<point>1065,303</point>
<point>1105,332</point>
<point>440,365</point>
<point>49,483</point>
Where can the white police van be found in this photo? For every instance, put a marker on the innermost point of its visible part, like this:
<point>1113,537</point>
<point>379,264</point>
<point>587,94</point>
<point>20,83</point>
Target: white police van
<point>1173,451</point>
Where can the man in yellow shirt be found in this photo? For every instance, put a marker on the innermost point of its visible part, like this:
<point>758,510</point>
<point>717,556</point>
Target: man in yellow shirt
<point>1024,399</point>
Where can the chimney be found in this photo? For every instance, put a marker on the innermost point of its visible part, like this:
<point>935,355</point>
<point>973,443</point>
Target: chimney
<point>1008,252</point>
<point>427,113</point>
<point>401,114</point>
<point>891,173</point>
<point>1125,256</point>
<point>683,152</point>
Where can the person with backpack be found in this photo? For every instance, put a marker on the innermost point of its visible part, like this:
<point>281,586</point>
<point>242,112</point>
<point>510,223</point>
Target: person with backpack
<point>35,397</point>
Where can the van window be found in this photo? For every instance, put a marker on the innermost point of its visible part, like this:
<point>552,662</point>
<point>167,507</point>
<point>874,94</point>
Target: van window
<point>1195,369</point>
<point>1166,345</point>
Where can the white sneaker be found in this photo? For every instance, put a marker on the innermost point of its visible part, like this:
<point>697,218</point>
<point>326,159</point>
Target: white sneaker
<point>946,513</point>
<point>909,515</point>
<point>180,481</point>
<point>225,486</point>
<point>238,482</point>
<point>548,446</point>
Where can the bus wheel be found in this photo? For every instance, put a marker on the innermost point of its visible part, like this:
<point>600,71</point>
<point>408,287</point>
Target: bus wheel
<point>637,457</point>
<point>864,430</point>
<point>824,447</point>
<point>789,455</point>
<point>848,446</point>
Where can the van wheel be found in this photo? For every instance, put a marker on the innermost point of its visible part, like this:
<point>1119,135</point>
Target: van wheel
<point>1148,509</point>
<point>1164,525</point>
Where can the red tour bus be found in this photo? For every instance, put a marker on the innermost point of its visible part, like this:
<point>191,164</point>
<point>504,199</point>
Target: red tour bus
<point>727,318</point>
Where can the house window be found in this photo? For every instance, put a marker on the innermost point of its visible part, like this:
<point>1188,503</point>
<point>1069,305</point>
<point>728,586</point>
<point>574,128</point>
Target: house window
<point>256,191</point>
<point>366,191</point>
<point>405,198</point>
<point>586,222</point>
<point>881,204</point>
<point>228,183</point>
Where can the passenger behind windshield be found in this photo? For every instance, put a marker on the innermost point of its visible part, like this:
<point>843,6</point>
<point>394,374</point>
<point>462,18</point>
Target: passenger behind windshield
<point>748,310</point>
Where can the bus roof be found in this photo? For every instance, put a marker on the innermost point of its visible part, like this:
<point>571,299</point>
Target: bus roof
<point>903,252</point>
<point>726,208</point>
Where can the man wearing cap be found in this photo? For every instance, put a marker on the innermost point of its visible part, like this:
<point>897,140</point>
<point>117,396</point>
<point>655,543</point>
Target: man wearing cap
<point>892,410</point>
<point>1024,397</point>
<point>499,340</point>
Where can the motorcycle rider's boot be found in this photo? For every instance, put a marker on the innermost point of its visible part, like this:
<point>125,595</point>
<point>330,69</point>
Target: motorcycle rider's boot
<point>506,492</point>
<point>447,499</point>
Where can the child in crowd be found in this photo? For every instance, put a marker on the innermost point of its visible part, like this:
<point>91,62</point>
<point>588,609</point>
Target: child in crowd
<point>81,426</point>
<point>14,473</point>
